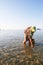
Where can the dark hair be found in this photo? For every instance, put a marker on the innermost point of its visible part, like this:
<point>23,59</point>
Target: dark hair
<point>35,28</point>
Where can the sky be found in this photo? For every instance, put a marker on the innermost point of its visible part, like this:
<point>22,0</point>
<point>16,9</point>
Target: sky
<point>20,14</point>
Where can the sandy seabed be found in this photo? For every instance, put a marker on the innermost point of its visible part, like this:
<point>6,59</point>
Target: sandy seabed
<point>21,55</point>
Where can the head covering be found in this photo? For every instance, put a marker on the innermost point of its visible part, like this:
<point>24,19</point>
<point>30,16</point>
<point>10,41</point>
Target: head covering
<point>33,29</point>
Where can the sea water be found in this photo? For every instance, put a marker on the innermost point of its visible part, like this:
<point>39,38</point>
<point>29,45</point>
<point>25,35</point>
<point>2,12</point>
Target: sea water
<point>14,52</point>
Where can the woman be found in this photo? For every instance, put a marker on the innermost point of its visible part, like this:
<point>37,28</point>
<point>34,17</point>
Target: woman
<point>28,33</point>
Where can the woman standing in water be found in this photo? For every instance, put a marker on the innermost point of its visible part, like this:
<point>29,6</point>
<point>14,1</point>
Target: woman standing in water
<point>28,34</point>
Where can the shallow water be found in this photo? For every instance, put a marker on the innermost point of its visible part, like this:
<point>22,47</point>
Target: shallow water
<point>14,52</point>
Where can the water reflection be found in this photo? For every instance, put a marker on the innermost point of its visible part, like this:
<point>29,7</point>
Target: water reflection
<point>28,51</point>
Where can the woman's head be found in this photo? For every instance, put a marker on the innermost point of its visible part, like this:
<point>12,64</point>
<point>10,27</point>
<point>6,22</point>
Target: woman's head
<point>33,29</point>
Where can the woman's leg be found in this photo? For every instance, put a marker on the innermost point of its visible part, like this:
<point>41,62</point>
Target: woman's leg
<point>24,39</point>
<point>30,42</point>
<point>33,42</point>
